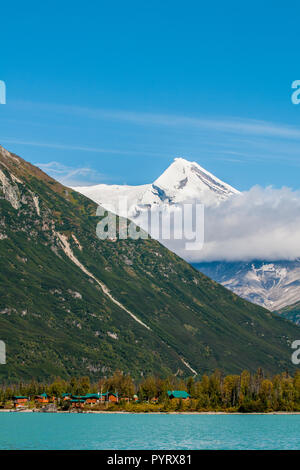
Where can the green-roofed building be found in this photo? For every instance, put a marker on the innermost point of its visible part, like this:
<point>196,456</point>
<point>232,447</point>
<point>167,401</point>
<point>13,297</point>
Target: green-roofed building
<point>92,395</point>
<point>20,400</point>
<point>181,394</point>
<point>88,398</point>
<point>66,396</point>
<point>42,398</point>
<point>77,402</point>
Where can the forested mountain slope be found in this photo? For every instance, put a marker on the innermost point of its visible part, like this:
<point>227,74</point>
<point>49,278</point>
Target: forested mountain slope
<point>72,304</point>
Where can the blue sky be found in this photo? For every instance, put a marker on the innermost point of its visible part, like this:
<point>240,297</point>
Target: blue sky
<point>113,91</point>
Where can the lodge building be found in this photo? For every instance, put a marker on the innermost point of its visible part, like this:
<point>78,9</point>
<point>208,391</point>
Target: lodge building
<point>78,401</point>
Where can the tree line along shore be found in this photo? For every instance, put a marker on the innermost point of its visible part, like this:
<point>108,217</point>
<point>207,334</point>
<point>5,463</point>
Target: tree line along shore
<point>244,393</point>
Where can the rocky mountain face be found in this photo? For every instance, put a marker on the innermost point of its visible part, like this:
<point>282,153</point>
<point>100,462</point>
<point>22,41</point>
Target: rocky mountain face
<point>272,285</point>
<point>72,304</point>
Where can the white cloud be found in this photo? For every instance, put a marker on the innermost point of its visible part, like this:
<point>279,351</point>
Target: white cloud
<point>262,223</point>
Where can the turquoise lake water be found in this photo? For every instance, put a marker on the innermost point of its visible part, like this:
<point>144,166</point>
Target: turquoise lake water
<point>143,431</point>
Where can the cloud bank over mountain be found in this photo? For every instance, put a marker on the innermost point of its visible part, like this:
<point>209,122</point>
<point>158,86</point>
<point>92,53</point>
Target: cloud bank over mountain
<point>262,223</point>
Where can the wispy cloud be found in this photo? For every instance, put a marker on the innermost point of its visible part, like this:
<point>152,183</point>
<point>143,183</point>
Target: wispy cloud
<point>61,146</point>
<point>139,135</point>
<point>80,148</point>
<point>228,125</point>
<point>71,176</point>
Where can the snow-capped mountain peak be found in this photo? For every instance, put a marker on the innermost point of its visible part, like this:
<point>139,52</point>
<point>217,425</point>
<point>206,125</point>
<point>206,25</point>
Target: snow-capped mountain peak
<point>184,180</point>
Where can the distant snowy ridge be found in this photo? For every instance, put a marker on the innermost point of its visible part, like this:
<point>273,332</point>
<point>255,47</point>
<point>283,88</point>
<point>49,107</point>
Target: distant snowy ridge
<point>270,284</point>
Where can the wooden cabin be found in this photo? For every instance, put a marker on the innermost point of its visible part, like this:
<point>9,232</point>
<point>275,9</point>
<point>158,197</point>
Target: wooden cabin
<point>112,397</point>
<point>154,400</point>
<point>20,401</point>
<point>77,403</point>
<point>43,398</point>
<point>91,398</point>
<point>102,397</point>
<point>66,396</point>
<point>109,396</point>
